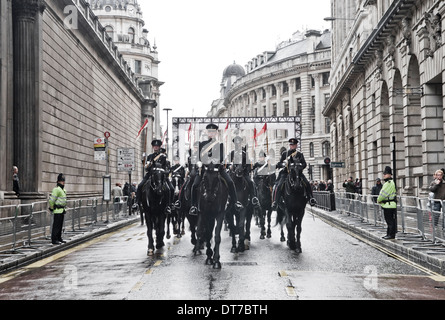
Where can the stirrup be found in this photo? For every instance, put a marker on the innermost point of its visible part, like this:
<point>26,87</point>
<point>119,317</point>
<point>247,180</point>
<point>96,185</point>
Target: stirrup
<point>193,211</point>
<point>255,201</point>
<point>312,201</point>
<point>238,205</point>
<point>177,204</point>
<point>168,210</point>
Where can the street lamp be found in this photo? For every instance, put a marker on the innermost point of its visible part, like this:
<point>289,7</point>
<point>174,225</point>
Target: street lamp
<point>166,138</point>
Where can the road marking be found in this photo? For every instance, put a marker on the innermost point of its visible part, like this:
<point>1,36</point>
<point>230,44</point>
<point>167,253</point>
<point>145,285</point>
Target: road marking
<point>291,291</point>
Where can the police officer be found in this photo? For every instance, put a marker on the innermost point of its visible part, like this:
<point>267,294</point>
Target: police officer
<point>57,205</point>
<point>239,156</point>
<point>177,168</point>
<point>263,168</point>
<point>157,157</point>
<point>291,155</point>
<point>388,200</point>
<point>213,151</point>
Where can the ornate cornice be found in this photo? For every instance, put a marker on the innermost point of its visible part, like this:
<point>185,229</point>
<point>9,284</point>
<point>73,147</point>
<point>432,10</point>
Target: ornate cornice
<point>26,8</point>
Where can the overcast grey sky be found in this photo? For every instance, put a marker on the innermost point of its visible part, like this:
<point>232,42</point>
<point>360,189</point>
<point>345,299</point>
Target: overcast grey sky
<point>197,39</point>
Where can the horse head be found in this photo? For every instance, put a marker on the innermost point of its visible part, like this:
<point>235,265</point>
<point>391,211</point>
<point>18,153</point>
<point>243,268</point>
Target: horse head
<point>157,179</point>
<point>294,175</point>
<point>210,182</point>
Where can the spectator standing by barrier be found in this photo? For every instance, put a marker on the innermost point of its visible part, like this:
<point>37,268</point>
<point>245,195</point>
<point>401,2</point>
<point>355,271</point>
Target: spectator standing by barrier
<point>117,193</point>
<point>375,191</point>
<point>15,181</point>
<point>437,187</point>
<point>57,205</point>
<point>350,188</point>
<point>388,200</point>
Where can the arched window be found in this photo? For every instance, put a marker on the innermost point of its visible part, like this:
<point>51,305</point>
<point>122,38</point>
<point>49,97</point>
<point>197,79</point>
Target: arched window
<point>131,34</point>
<point>110,32</point>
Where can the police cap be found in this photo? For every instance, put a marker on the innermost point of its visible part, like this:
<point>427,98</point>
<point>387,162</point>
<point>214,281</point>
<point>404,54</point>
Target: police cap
<point>60,177</point>
<point>156,142</point>
<point>387,170</point>
<point>293,141</point>
<point>212,126</point>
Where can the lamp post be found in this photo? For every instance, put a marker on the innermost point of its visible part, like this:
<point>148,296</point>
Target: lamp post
<point>166,138</point>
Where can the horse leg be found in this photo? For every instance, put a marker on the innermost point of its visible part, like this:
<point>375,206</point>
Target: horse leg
<point>209,251</point>
<point>160,231</point>
<point>298,244</point>
<point>168,226</point>
<point>269,218</point>
<point>149,224</point>
<point>199,230</point>
<point>248,225</point>
<point>241,230</point>
<point>291,232</point>
<point>216,256</point>
<point>262,216</point>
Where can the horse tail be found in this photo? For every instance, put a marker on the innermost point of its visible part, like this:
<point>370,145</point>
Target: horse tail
<point>281,217</point>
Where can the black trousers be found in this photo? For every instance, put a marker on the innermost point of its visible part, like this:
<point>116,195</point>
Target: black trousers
<point>56,232</point>
<point>391,221</point>
<point>279,183</point>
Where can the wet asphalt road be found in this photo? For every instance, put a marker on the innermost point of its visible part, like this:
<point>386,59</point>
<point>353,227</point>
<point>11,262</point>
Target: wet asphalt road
<point>333,265</point>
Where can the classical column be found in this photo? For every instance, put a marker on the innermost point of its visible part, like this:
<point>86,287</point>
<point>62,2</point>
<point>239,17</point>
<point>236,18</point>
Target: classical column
<point>26,113</point>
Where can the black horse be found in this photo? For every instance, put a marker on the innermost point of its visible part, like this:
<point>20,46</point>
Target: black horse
<point>239,220</point>
<point>176,218</point>
<point>294,205</point>
<point>264,185</point>
<point>212,200</point>
<point>155,198</point>
<point>185,196</point>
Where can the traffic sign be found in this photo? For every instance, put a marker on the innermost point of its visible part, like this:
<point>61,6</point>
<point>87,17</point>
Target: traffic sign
<point>125,159</point>
<point>337,164</point>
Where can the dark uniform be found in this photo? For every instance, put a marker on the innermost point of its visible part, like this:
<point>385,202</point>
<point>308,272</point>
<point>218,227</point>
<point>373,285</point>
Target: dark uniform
<point>239,156</point>
<point>157,157</point>
<point>261,168</point>
<point>298,158</point>
<point>212,151</point>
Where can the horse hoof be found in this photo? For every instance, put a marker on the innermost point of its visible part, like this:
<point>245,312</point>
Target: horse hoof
<point>262,237</point>
<point>197,252</point>
<point>233,250</point>
<point>150,252</point>
<point>298,250</point>
<point>209,261</point>
<point>217,265</point>
<point>168,237</point>
<point>282,239</point>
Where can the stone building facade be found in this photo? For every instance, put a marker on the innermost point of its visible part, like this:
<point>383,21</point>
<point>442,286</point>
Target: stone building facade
<point>290,81</point>
<point>63,83</point>
<point>387,95</point>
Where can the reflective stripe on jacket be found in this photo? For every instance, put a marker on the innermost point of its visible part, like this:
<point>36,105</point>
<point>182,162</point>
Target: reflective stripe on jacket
<point>57,200</point>
<point>387,197</point>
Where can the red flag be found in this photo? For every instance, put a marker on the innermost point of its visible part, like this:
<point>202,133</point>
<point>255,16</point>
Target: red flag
<point>142,128</point>
<point>227,125</point>
<point>163,138</point>
<point>189,130</point>
<point>262,130</point>
<point>254,137</point>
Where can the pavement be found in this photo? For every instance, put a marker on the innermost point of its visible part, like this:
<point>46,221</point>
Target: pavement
<point>407,246</point>
<point>42,248</point>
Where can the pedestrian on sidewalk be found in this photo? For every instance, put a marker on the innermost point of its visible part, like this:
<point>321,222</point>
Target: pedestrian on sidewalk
<point>15,181</point>
<point>375,191</point>
<point>57,205</point>
<point>388,200</point>
<point>437,187</point>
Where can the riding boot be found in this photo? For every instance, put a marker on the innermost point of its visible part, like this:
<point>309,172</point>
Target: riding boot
<point>194,209</point>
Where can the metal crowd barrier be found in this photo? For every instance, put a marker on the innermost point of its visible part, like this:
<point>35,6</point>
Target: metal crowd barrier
<point>418,215</point>
<point>23,226</point>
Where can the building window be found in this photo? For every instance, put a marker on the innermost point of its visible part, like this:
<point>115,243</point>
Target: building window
<point>274,91</point>
<point>326,147</point>
<point>312,82</point>
<point>327,122</point>
<point>313,106</point>
<point>311,150</point>
<point>286,109</point>
<point>325,78</point>
<point>297,84</point>
<point>110,32</point>
<point>299,107</point>
<point>274,110</point>
<point>326,98</point>
<point>285,87</point>
<point>313,125</point>
<point>138,67</point>
<point>264,111</point>
<point>264,93</point>
<point>131,34</point>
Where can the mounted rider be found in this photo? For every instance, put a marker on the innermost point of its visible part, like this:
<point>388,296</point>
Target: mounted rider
<point>213,151</point>
<point>263,168</point>
<point>239,156</point>
<point>157,158</point>
<point>291,156</point>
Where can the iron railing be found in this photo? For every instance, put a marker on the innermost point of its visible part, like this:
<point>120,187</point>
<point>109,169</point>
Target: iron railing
<point>419,215</point>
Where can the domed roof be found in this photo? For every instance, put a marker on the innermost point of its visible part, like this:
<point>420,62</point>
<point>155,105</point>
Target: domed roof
<point>234,70</point>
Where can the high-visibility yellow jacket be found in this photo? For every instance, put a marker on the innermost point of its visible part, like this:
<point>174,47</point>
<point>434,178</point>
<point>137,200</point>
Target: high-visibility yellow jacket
<point>57,200</point>
<point>388,196</point>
